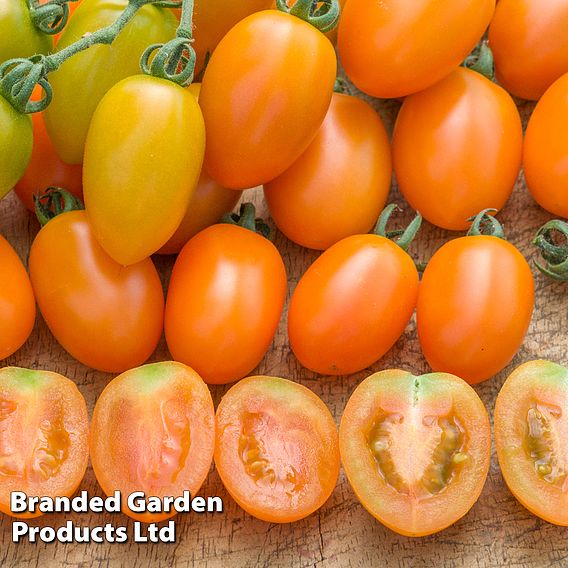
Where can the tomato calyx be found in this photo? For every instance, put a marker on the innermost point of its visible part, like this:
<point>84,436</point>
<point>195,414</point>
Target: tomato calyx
<point>175,60</point>
<point>481,60</point>
<point>552,241</point>
<point>246,218</point>
<point>54,202</point>
<point>402,237</point>
<point>50,17</point>
<point>323,15</point>
<point>485,224</point>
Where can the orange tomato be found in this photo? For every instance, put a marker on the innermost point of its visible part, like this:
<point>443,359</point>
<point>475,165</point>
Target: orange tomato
<point>339,185</point>
<point>352,304</point>
<point>44,431</point>
<point>72,7</point>
<point>153,430</point>
<point>107,316</point>
<point>530,421</point>
<point>276,448</point>
<point>415,450</point>
<point>224,302</point>
<point>46,168</point>
<point>546,150</point>
<point>529,45</point>
<point>393,48</point>
<point>17,304</point>
<point>457,149</point>
<point>265,93</point>
<point>474,306</point>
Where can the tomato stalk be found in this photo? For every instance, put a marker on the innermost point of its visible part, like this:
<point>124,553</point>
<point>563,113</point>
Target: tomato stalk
<point>18,77</point>
<point>54,202</point>
<point>49,17</point>
<point>485,224</point>
<point>323,15</point>
<point>555,253</point>
<point>405,236</point>
<point>247,219</point>
<point>174,60</point>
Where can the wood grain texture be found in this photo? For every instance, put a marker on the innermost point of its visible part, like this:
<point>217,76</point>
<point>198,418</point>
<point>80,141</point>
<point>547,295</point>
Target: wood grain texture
<point>497,532</point>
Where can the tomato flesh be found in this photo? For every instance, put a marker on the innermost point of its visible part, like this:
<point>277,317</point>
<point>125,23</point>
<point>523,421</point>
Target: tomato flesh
<point>276,448</point>
<point>415,449</point>
<point>530,434</point>
<point>44,430</point>
<point>153,430</point>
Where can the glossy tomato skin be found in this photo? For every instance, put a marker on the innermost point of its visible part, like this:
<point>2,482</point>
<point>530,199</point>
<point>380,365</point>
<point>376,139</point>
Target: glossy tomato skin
<point>144,170</point>
<point>20,38</point>
<point>530,418</point>
<point>72,7</point>
<point>352,305</point>
<point>257,127</point>
<point>108,317</point>
<point>224,302</point>
<point>529,45</point>
<point>276,448</point>
<point>339,185</point>
<point>545,150</point>
<point>153,430</point>
<point>457,149</point>
<point>83,80</point>
<point>393,48</point>
<point>415,450</point>
<point>17,304</point>
<point>474,306</point>
<point>45,436</point>
<point>209,203</point>
<point>46,168</point>
<point>16,142</point>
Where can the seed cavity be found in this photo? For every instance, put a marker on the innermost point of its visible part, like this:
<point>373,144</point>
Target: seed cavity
<point>432,461</point>
<point>50,450</point>
<point>255,454</point>
<point>542,444</point>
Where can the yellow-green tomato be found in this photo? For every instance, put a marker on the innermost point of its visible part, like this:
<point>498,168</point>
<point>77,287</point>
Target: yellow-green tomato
<point>83,80</point>
<point>16,141</point>
<point>19,36</point>
<point>143,157</point>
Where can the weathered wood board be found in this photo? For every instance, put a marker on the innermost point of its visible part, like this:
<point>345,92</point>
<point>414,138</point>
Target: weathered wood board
<point>497,532</point>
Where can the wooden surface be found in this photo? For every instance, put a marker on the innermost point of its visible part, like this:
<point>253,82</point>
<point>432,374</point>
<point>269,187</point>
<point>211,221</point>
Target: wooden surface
<point>497,532</point>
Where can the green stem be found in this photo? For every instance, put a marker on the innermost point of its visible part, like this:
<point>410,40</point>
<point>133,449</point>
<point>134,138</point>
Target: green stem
<point>18,77</point>
<point>247,219</point>
<point>174,60</point>
<point>485,224</point>
<point>406,236</point>
<point>554,253</point>
<point>54,202</point>
<point>324,18</point>
<point>50,17</point>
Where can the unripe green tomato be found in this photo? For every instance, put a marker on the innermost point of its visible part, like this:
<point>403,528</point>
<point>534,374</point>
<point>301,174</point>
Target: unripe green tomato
<point>16,141</point>
<point>83,80</point>
<point>20,38</point>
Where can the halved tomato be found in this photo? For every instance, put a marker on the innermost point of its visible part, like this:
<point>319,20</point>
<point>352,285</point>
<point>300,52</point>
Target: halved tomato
<point>44,430</point>
<point>276,448</point>
<point>153,430</point>
<point>415,449</point>
<point>530,435</point>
